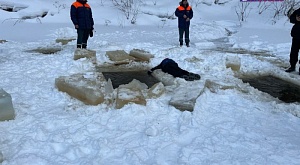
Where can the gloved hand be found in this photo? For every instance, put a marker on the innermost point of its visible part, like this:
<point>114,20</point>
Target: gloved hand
<point>91,33</point>
<point>149,72</point>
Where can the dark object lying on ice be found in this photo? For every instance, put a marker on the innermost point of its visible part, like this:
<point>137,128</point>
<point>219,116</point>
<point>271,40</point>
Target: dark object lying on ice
<point>171,67</point>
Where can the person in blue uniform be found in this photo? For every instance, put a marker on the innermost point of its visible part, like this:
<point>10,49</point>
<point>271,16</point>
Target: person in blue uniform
<point>184,12</point>
<point>82,18</point>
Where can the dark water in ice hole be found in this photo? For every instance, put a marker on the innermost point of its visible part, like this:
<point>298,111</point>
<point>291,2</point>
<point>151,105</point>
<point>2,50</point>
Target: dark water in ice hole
<point>119,78</point>
<point>276,87</point>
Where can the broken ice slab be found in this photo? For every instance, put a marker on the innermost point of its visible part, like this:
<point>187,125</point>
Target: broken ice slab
<point>85,53</point>
<point>141,55</point>
<point>87,88</point>
<point>233,62</point>
<point>185,97</point>
<point>129,95</point>
<point>7,111</point>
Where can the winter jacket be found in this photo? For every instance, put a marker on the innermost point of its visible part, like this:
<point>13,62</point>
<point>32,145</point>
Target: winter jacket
<point>171,67</point>
<point>180,11</point>
<point>295,32</point>
<point>81,15</point>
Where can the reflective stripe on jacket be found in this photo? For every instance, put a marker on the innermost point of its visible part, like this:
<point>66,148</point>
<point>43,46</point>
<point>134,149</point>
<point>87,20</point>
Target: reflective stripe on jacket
<point>180,11</point>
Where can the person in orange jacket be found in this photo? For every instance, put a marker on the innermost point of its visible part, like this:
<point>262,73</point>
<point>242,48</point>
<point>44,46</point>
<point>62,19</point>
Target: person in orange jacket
<point>82,18</point>
<point>184,13</point>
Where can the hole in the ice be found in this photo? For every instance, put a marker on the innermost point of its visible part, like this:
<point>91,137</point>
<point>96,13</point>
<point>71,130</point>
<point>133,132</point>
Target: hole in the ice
<point>119,78</point>
<point>278,88</point>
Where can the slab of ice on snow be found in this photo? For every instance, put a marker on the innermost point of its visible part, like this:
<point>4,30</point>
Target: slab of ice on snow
<point>7,111</point>
<point>185,96</point>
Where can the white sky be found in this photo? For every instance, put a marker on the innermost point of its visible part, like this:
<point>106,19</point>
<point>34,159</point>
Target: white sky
<point>234,126</point>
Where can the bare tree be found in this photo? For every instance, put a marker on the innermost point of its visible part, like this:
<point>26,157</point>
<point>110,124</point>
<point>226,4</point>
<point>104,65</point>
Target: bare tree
<point>290,6</point>
<point>242,10</point>
<point>278,8</point>
<point>134,12</point>
<point>130,8</point>
<point>263,6</point>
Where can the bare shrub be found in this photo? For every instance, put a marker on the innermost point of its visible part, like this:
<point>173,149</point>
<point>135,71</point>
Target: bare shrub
<point>130,8</point>
<point>263,6</point>
<point>242,11</point>
<point>59,6</point>
<point>284,8</point>
<point>290,6</point>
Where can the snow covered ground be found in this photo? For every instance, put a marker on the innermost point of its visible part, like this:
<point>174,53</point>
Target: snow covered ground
<point>234,126</point>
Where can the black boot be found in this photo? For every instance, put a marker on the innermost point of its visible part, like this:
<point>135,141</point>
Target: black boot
<point>181,43</point>
<point>79,46</point>
<point>187,44</point>
<point>290,69</point>
<point>191,76</point>
<point>84,46</point>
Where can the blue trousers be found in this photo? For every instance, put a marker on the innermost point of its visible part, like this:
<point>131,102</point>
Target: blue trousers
<point>186,32</point>
<point>294,52</point>
<point>82,37</point>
